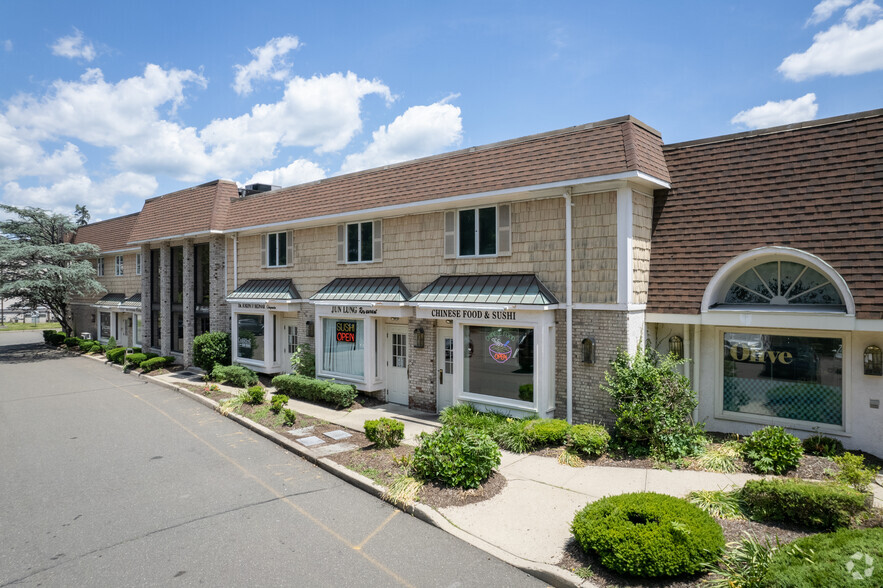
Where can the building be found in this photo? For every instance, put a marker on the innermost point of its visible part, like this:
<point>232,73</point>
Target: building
<point>508,275</point>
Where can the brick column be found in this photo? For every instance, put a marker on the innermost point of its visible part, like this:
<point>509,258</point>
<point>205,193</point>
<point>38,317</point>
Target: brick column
<point>165,298</point>
<point>146,307</point>
<point>189,302</point>
<point>219,310</point>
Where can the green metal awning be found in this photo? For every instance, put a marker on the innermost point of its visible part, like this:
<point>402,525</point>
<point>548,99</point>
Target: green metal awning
<point>111,300</point>
<point>279,290</point>
<point>364,290</point>
<point>490,289</point>
<point>132,302</point>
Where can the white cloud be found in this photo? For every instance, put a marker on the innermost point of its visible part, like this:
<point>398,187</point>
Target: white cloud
<point>420,131</point>
<point>783,112</point>
<point>299,171</point>
<point>74,46</point>
<point>268,63</point>
<point>7,45</point>
<point>99,197</point>
<point>844,49</point>
<point>825,9</point>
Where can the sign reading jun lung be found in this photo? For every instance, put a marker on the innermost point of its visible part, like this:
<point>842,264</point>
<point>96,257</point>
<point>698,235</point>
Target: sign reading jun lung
<point>346,331</point>
<point>353,310</point>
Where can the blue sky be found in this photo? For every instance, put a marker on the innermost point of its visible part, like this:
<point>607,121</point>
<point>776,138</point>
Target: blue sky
<point>108,103</point>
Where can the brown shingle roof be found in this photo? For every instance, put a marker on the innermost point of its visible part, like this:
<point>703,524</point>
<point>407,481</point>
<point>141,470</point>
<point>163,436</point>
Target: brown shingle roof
<point>194,210</point>
<point>817,186</point>
<point>597,149</point>
<point>108,235</point>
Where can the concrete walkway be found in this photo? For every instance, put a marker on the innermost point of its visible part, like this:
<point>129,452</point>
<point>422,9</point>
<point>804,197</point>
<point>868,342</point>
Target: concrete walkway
<point>530,518</point>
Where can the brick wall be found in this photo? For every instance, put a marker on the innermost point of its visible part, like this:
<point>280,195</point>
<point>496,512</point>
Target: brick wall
<point>422,368</point>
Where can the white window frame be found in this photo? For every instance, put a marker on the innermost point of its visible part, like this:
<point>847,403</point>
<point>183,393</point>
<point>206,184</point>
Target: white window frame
<point>266,260</point>
<point>137,264</point>
<point>118,266</point>
<point>359,243</point>
<point>99,267</point>
<point>502,232</point>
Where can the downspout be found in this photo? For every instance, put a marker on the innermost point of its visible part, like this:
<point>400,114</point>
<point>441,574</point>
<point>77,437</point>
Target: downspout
<point>697,373</point>
<point>235,261</point>
<point>568,280</point>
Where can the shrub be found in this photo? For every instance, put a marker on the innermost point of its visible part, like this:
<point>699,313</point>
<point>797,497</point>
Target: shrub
<point>772,450</point>
<point>156,363</point>
<point>56,338</point>
<point>853,471</point>
<point>151,355</point>
<point>809,504</point>
<point>385,432</point>
<point>654,405</point>
<point>718,503</point>
<point>648,535</point>
<point>134,360</point>
<point>303,361</point>
<point>823,446</point>
<point>312,389</point>
<point>111,343</point>
<point>590,440</point>
<point>97,348</point>
<point>236,375</point>
<point>288,417</point>
<point>72,342</point>
<point>116,354</point>
<point>255,395</point>
<point>720,459</point>
<point>86,345</point>
<point>211,348</point>
<point>847,558</point>
<point>547,431</point>
<point>455,456</point>
<point>278,402</point>
<point>47,333</point>
<point>744,565</point>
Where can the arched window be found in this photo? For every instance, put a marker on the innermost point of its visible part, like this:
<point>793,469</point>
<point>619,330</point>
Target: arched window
<point>783,283</point>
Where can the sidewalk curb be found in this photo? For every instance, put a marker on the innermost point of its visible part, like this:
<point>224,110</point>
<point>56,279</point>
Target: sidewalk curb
<point>552,575</point>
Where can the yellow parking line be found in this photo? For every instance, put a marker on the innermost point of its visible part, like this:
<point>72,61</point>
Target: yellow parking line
<point>375,531</point>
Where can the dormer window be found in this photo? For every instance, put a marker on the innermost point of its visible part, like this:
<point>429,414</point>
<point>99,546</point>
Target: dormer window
<point>783,284</point>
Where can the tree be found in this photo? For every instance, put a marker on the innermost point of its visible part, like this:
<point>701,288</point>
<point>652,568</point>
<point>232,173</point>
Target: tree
<point>40,265</point>
<point>82,215</point>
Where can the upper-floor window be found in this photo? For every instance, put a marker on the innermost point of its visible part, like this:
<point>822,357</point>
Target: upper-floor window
<point>474,232</point>
<point>99,269</point>
<point>359,242</point>
<point>783,283</point>
<point>276,249</point>
<point>118,266</point>
<point>137,264</point>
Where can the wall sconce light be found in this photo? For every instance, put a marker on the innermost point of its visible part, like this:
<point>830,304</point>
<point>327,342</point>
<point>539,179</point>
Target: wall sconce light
<point>311,329</point>
<point>419,338</point>
<point>93,318</point>
<point>676,346</point>
<point>449,322</point>
<point>588,350</point>
<point>873,361</point>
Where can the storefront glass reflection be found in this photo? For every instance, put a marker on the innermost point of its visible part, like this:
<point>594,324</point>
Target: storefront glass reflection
<point>798,378</point>
<point>343,346</point>
<point>498,362</point>
<point>250,338</point>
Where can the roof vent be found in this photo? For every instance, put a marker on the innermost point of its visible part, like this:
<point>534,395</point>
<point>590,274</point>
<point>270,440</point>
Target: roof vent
<point>257,189</point>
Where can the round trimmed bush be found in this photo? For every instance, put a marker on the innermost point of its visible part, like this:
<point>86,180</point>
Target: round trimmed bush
<point>772,451</point>
<point>385,432</point>
<point>590,440</point>
<point>456,457</point>
<point>847,558</point>
<point>547,431</point>
<point>648,535</point>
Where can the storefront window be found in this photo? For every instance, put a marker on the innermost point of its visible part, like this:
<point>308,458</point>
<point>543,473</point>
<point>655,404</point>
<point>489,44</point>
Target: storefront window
<point>104,326</point>
<point>138,326</point>
<point>250,336</point>
<point>177,332</point>
<point>498,362</point>
<point>799,378</point>
<point>343,346</point>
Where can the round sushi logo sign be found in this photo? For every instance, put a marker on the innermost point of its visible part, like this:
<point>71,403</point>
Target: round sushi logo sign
<point>501,345</point>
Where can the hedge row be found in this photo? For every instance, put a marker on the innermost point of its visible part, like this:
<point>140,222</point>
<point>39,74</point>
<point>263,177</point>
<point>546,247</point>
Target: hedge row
<point>810,504</point>
<point>340,395</point>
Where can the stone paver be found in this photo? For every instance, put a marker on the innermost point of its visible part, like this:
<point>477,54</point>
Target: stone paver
<point>310,441</point>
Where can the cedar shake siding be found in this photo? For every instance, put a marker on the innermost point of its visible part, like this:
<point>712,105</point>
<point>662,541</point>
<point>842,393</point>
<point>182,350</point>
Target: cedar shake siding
<point>815,186</point>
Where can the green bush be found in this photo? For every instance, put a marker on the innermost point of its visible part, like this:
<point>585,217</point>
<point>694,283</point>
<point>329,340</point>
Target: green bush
<point>97,348</point>
<point>340,395</point>
<point>823,446</point>
<point>211,348</point>
<point>303,361</point>
<point>853,471</point>
<point>845,559</point>
<point>112,343</point>
<point>156,363</point>
<point>648,535</point>
<point>151,355</point>
<point>455,456</point>
<point>116,354</point>
<point>654,405</point>
<point>134,360</point>
<point>72,342</point>
<point>772,450</point>
<point>589,440</point>
<point>86,345</point>
<point>46,335</point>
<point>278,402</point>
<point>255,395</point>
<point>235,375</point>
<point>288,417</point>
<point>547,431</point>
<point>509,433</point>
<point>809,504</point>
<point>384,432</point>
<point>56,338</point>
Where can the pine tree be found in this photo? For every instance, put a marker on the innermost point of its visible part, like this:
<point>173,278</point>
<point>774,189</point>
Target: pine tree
<point>39,264</point>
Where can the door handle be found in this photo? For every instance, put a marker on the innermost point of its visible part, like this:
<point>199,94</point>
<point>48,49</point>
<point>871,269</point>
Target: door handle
<point>441,376</point>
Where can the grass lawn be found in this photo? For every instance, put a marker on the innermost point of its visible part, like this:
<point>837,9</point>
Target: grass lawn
<point>29,326</point>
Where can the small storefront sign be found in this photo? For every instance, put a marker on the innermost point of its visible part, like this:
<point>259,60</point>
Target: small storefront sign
<point>353,310</point>
<point>462,313</point>
<point>346,331</point>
